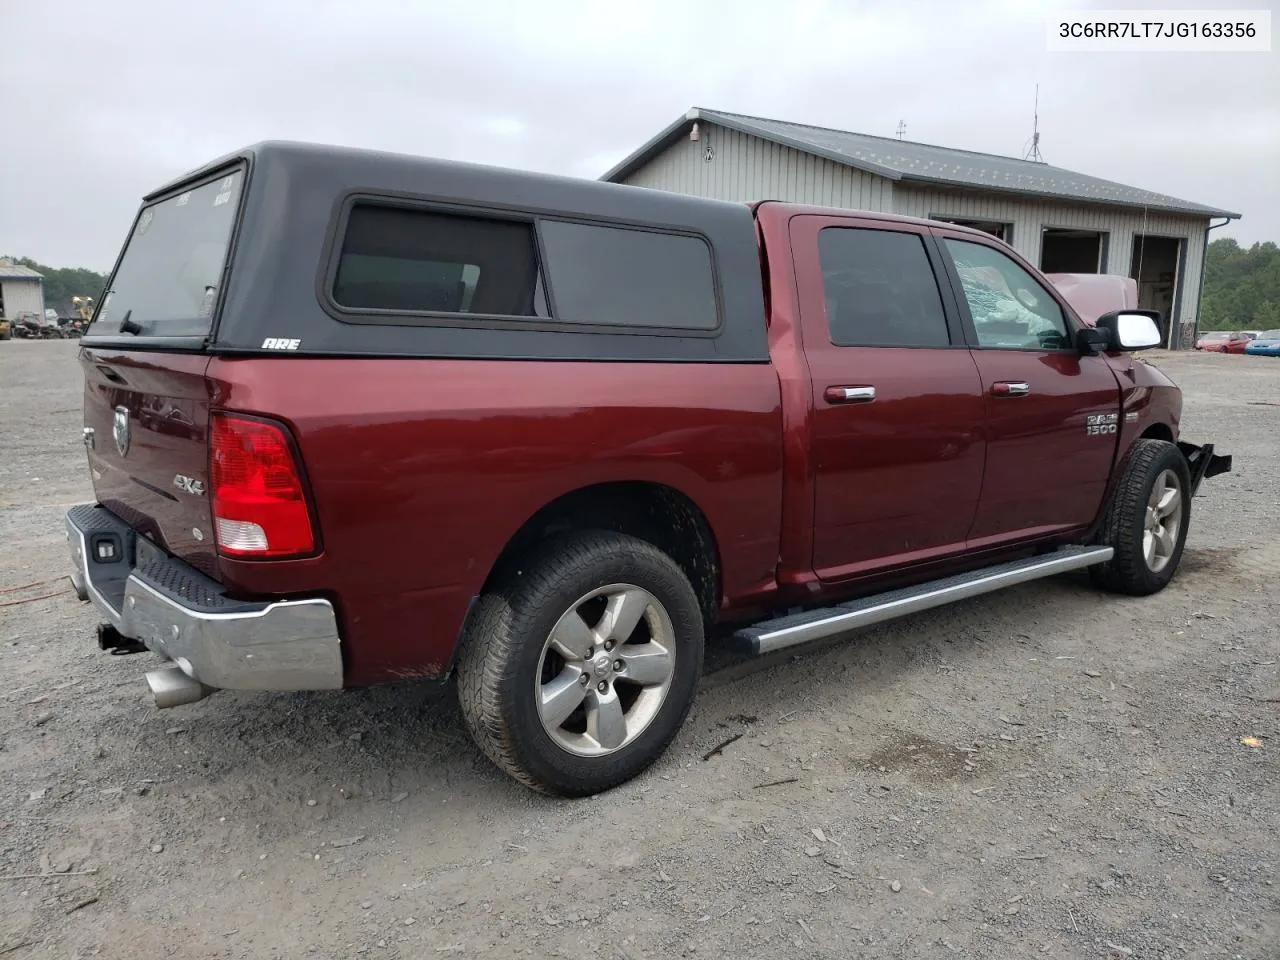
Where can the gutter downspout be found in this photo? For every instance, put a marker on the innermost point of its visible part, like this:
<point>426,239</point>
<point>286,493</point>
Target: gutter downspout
<point>1204,262</point>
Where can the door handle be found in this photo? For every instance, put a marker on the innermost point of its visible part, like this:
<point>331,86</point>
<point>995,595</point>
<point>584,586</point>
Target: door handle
<point>1010,388</point>
<point>849,394</point>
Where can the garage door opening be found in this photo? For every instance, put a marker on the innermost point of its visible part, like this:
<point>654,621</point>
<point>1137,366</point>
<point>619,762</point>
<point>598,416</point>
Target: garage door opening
<point>1073,251</point>
<point>994,227</point>
<point>1155,265</point>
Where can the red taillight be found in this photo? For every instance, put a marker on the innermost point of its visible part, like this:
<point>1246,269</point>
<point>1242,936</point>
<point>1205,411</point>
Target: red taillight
<point>259,505</point>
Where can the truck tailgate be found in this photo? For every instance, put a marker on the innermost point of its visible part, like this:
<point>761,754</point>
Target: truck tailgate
<point>146,417</point>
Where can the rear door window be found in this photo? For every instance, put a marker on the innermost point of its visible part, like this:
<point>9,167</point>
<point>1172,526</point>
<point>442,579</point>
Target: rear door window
<point>880,289</point>
<point>419,261</point>
<point>168,277</point>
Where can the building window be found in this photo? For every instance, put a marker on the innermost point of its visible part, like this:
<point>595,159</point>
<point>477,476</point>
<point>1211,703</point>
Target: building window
<point>880,289</point>
<point>1064,250</point>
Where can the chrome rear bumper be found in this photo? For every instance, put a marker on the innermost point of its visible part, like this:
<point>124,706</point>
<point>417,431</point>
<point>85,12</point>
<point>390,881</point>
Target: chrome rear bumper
<point>177,612</point>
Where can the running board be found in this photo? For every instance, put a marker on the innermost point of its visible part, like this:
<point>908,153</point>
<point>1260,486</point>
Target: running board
<point>788,631</point>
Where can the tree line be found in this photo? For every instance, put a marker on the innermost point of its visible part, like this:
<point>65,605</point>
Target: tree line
<point>1241,287</point>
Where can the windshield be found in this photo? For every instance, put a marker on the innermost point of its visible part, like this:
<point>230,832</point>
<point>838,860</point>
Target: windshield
<point>167,282</point>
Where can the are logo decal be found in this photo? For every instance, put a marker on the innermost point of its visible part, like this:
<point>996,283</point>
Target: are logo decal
<point>280,343</point>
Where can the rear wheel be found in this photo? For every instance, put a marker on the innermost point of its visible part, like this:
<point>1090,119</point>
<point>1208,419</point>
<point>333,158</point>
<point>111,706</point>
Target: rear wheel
<point>578,669</point>
<point>1147,520</point>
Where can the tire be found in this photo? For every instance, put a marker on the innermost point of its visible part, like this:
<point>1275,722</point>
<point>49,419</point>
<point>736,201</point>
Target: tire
<point>1146,556</point>
<point>510,665</point>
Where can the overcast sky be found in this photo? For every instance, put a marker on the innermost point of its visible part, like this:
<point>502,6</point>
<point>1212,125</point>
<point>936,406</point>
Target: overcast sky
<point>102,101</point>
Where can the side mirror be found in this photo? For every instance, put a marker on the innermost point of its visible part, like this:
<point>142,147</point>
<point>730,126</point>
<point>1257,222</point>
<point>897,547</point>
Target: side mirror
<point>1090,341</point>
<point>1132,329</point>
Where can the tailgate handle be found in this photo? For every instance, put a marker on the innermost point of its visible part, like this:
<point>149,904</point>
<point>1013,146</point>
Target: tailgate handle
<point>849,394</point>
<point>111,374</point>
<point>1010,388</point>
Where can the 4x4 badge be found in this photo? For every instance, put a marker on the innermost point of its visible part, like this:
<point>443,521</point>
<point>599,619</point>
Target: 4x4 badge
<point>120,430</point>
<point>189,485</point>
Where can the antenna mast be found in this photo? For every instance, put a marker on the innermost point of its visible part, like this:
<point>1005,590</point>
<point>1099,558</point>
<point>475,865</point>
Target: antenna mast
<point>902,129</point>
<point>1033,151</point>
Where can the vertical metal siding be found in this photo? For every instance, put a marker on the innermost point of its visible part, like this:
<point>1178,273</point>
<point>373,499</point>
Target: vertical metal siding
<point>746,168</point>
<point>23,296</point>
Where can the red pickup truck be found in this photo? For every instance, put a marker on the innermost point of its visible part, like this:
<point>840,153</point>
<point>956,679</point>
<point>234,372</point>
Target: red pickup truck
<point>354,417</point>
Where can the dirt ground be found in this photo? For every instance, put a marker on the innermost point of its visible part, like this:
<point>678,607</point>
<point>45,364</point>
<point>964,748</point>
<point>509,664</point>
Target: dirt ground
<point>1047,772</point>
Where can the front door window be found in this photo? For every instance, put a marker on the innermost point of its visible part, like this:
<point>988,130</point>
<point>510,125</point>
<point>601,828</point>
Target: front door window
<point>1010,309</point>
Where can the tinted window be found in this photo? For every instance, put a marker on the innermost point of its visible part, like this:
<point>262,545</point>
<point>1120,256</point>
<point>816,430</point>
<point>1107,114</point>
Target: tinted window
<point>424,262</point>
<point>167,280</point>
<point>1010,308</point>
<point>880,289</point>
<point>630,278</point>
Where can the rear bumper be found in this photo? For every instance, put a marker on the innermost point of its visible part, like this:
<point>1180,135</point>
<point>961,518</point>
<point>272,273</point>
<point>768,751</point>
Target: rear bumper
<point>179,613</point>
<point>1204,463</point>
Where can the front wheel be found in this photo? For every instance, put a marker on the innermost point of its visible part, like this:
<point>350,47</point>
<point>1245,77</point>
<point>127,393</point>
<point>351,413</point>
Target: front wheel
<point>1147,520</point>
<point>578,669</point>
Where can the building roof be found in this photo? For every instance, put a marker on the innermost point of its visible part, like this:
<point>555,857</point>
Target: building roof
<point>907,161</point>
<point>10,271</point>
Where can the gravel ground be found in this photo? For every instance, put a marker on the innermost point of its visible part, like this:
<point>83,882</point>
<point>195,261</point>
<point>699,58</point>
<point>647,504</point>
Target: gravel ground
<point>1047,772</point>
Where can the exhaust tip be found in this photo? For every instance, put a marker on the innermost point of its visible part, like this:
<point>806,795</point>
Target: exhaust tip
<point>170,687</point>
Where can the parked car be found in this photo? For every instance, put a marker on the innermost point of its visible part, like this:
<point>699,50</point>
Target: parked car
<point>423,419</point>
<point>1238,341</point>
<point>1224,341</point>
<point>1266,344</point>
<point>6,332</point>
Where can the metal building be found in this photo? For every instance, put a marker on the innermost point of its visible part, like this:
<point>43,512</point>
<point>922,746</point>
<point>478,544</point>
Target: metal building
<point>21,291</point>
<point>1062,221</point>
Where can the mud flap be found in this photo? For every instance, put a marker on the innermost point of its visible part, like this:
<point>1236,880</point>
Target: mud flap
<point>1204,463</point>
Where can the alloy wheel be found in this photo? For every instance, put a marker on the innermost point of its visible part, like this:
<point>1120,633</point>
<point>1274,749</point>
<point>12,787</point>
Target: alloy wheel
<point>1163,521</point>
<point>605,670</point>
